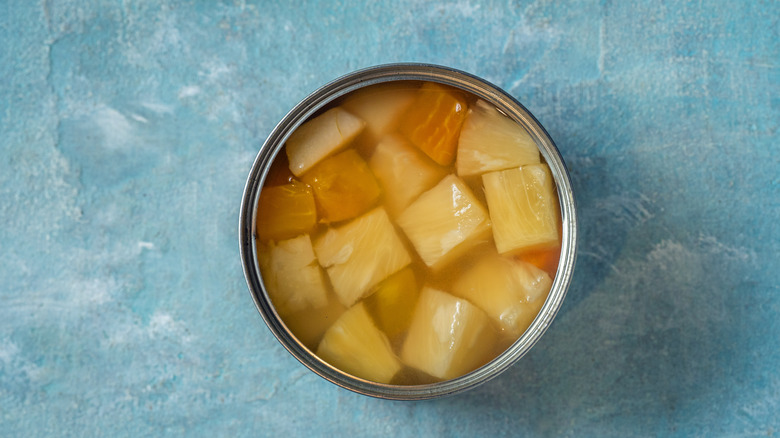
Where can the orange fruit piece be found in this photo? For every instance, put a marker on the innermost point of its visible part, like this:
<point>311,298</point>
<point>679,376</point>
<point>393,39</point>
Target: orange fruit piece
<point>344,186</point>
<point>433,121</point>
<point>286,211</point>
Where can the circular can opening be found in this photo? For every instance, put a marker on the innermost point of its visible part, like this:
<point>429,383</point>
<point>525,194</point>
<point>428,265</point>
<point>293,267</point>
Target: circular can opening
<point>315,105</point>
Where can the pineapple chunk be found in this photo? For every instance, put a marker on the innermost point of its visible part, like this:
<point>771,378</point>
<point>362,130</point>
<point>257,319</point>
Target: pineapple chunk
<point>491,141</point>
<point>448,336</point>
<point>317,138</point>
<point>403,172</point>
<point>433,121</point>
<point>523,207</point>
<point>393,301</point>
<point>380,106</point>
<point>286,211</point>
<point>292,276</point>
<point>445,222</point>
<point>343,185</point>
<point>309,325</point>
<point>356,346</point>
<point>503,287</point>
<point>360,254</point>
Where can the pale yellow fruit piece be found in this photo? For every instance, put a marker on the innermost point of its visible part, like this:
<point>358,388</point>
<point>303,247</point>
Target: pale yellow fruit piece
<point>360,254</point>
<point>393,301</point>
<point>356,346</point>
<point>380,106</point>
<point>448,336</point>
<point>292,276</point>
<point>523,208</point>
<point>491,141</point>
<point>403,172</point>
<point>445,222</point>
<point>320,137</point>
<point>503,287</point>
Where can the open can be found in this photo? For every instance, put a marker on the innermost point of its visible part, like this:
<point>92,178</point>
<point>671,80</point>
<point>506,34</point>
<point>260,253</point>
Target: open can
<point>422,73</point>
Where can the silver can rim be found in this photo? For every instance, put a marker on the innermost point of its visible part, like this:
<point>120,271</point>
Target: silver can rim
<point>391,73</point>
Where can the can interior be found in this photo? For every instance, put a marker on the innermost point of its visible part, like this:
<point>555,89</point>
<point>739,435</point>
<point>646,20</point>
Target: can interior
<point>333,91</point>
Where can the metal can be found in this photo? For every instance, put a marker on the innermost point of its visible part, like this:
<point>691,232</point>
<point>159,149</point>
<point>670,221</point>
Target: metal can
<point>424,73</point>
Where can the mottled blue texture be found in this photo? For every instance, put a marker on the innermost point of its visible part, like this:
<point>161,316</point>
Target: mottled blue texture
<point>127,130</point>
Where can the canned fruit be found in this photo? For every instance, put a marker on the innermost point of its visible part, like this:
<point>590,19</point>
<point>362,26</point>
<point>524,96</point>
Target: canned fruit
<point>286,211</point>
<point>448,337</point>
<point>355,345</point>
<point>523,207</point>
<point>489,141</point>
<point>292,275</point>
<point>433,240</point>
<point>403,172</point>
<point>432,122</point>
<point>444,222</point>
<point>320,137</point>
<point>344,186</point>
<point>380,106</point>
<point>504,288</point>
<point>360,254</point>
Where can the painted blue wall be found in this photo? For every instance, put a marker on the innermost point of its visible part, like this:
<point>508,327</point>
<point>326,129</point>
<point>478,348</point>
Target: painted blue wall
<point>127,130</point>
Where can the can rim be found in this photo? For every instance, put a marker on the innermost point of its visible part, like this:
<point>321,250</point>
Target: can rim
<point>392,73</point>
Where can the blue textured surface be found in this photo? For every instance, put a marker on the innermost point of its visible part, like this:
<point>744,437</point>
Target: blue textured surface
<point>127,130</point>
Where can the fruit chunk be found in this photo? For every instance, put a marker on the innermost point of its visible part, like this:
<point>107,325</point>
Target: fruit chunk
<point>392,302</point>
<point>448,336</point>
<point>343,186</point>
<point>360,254</point>
<point>286,211</point>
<point>491,141</point>
<point>503,287</point>
<point>403,171</point>
<point>380,106</point>
<point>317,138</point>
<point>356,346</point>
<point>523,207</point>
<point>292,276</point>
<point>445,221</point>
<point>433,121</point>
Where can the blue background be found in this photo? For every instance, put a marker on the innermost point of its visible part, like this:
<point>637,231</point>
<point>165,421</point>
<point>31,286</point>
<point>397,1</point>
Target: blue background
<point>127,130</point>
